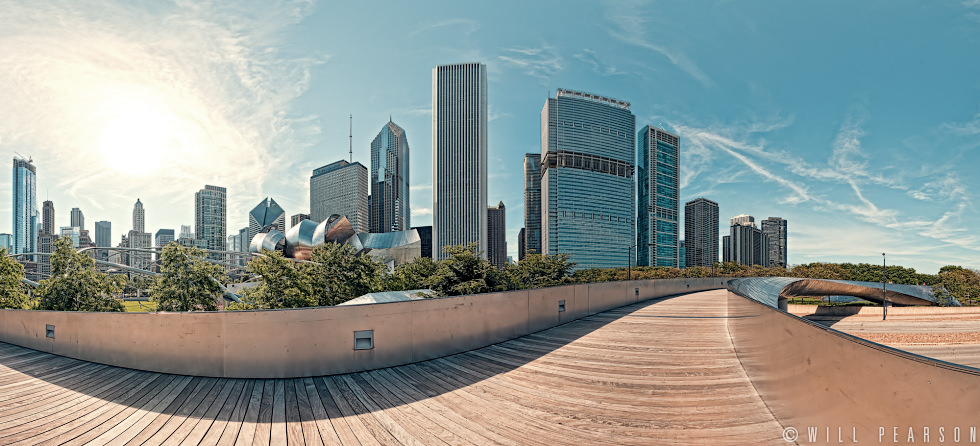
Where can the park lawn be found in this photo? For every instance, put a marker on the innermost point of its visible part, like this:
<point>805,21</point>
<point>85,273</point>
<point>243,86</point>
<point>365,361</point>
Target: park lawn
<point>135,306</point>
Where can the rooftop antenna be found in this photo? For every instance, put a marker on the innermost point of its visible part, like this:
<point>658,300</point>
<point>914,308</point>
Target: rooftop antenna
<point>350,137</point>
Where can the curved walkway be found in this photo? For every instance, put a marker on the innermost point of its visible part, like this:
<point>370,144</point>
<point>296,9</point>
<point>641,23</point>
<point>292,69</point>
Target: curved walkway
<point>657,372</point>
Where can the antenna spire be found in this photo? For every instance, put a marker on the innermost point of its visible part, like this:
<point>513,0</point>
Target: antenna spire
<point>350,137</point>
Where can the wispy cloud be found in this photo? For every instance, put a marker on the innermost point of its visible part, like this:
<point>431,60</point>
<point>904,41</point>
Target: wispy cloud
<point>416,212</point>
<point>467,26</point>
<point>541,62</point>
<point>193,92</point>
<point>597,65</point>
<point>629,23</point>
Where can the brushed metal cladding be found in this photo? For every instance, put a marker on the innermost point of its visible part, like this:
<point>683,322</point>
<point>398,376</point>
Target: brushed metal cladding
<point>769,290</point>
<point>299,240</point>
<point>319,341</point>
<point>272,240</point>
<point>811,375</point>
<point>335,228</point>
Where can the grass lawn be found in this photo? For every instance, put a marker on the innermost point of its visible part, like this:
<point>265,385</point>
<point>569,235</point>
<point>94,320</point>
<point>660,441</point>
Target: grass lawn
<point>139,306</point>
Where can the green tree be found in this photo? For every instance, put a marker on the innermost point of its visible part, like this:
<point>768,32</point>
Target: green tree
<point>338,274</point>
<point>12,292</point>
<point>75,285</point>
<point>285,284</point>
<point>413,275</point>
<point>465,271</point>
<point>186,282</point>
<point>536,270</point>
<point>962,283</point>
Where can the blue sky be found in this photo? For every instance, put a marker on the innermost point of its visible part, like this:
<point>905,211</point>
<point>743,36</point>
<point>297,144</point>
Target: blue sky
<point>859,122</point>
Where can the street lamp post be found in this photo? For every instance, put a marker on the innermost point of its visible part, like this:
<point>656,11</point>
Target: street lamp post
<point>884,299</point>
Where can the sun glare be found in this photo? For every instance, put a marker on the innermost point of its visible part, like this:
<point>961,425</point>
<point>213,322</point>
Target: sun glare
<point>137,138</point>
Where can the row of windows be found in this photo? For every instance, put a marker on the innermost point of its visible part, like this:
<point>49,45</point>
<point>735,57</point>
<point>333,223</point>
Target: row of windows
<point>595,216</point>
<point>592,163</point>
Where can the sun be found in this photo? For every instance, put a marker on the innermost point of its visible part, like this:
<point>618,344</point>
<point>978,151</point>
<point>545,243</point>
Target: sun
<point>137,138</point>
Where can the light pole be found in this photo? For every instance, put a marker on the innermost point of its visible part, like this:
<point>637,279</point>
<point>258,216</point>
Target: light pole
<point>884,299</point>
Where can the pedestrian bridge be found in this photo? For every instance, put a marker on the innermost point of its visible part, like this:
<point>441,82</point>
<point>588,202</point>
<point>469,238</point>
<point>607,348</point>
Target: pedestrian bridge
<point>699,367</point>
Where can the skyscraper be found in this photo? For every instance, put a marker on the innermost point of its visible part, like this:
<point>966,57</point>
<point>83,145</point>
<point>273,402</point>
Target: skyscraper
<point>267,214</point>
<point>24,206</point>
<point>340,188</point>
<point>745,243</point>
<point>459,156</point>
<point>103,238</point>
<point>139,217</point>
<point>701,232</point>
<point>211,218</point>
<point>587,199</point>
<point>46,239</point>
<point>6,241</point>
<point>521,244</point>
<point>657,174</point>
<point>497,235</point>
<point>389,180</point>
<point>532,204</point>
<point>77,218</point>
<point>775,230</point>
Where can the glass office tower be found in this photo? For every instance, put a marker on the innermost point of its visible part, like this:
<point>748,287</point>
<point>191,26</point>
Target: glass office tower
<point>389,180</point>
<point>587,198</point>
<point>25,216</point>
<point>657,174</point>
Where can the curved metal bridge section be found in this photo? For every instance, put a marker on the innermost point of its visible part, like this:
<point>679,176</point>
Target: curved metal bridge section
<point>771,290</point>
<point>656,372</point>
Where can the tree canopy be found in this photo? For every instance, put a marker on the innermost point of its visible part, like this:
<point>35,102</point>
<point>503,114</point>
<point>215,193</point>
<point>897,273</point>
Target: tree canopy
<point>12,291</point>
<point>75,284</point>
<point>186,282</point>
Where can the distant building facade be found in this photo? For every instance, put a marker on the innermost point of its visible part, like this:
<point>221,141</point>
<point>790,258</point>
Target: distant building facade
<point>775,230</point>
<point>103,238</point>
<point>211,218</point>
<point>459,156</point>
<point>340,188</point>
<point>389,210</point>
<point>658,178</point>
<point>587,197</point>
<point>6,241</point>
<point>425,233</point>
<point>745,243</point>
<point>531,238</point>
<point>521,244</point>
<point>77,218</point>
<point>296,218</point>
<point>163,237</point>
<point>497,235</point>
<point>140,240</point>
<point>701,233</point>
<point>46,238</point>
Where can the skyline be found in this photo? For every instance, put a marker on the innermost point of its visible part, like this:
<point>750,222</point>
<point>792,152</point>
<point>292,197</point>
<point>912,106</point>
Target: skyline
<point>863,138</point>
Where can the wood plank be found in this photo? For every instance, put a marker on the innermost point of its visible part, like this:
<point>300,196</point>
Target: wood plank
<point>277,433</point>
<point>336,418</point>
<point>148,426</point>
<point>234,418</point>
<point>384,419</point>
<point>222,415</point>
<point>199,421</point>
<point>263,426</point>
<point>122,431</point>
<point>326,429</point>
<point>366,435</point>
<point>428,423</point>
<point>159,385</point>
<point>184,413</point>
<point>249,423</point>
<point>307,426</point>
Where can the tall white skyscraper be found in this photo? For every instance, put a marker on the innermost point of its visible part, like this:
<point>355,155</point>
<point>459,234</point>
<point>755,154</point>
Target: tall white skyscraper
<point>78,218</point>
<point>459,156</point>
<point>139,217</point>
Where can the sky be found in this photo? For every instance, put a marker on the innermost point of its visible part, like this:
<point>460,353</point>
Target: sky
<point>858,122</point>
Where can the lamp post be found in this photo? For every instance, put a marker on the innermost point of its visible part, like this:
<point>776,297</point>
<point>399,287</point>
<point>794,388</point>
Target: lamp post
<point>884,299</point>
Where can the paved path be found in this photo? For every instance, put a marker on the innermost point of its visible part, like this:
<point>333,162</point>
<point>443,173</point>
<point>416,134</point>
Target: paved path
<point>661,372</point>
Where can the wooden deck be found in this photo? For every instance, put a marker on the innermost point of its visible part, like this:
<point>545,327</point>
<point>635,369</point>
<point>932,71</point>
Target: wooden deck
<point>659,372</point>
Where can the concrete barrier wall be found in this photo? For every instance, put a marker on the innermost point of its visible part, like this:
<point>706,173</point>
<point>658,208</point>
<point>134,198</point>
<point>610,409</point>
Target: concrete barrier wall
<point>811,376</point>
<point>876,311</point>
<point>320,341</point>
